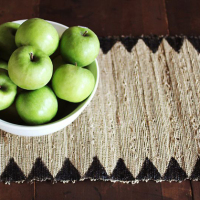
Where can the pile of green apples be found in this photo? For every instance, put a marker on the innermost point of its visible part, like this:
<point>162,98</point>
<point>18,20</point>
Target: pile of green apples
<point>33,79</point>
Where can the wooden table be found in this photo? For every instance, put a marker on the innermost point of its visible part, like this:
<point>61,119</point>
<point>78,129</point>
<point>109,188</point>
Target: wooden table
<point>108,17</point>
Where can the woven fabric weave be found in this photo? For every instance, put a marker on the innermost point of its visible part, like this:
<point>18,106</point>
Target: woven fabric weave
<point>143,123</point>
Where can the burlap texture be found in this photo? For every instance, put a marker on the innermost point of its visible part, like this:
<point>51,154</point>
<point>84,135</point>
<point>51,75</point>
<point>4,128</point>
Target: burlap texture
<point>146,112</point>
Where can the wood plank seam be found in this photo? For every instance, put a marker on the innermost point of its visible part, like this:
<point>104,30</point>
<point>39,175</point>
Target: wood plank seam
<point>192,190</point>
<point>166,16</point>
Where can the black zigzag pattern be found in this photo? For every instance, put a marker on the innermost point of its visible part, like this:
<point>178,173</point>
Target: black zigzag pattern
<point>68,172</point>
<point>153,42</point>
<point>195,41</point>
<point>129,42</point>
<point>175,42</point>
<point>174,171</point>
<point>12,173</point>
<point>96,171</point>
<point>39,172</point>
<point>148,171</point>
<point>196,171</point>
<point>106,43</point>
<point>121,172</point>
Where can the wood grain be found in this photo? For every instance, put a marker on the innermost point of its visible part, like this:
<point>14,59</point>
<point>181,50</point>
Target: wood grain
<point>107,190</point>
<point>16,191</point>
<point>129,17</point>
<point>176,191</point>
<point>98,190</point>
<point>195,189</point>
<point>183,16</point>
<point>111,17</point>
<point>11,10</point>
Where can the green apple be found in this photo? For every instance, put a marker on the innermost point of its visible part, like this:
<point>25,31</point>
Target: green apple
<point>79,45</point>
<point>39,33</point>
<point>30,68</point>
<point>8,90</point>
<point>38,106</point>
<point>57,62</point>
<point>73,83</point>
<point>7,39</point>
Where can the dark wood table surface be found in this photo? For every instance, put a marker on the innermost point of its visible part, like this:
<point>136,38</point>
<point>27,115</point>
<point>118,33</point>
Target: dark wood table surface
<point>106,18</point>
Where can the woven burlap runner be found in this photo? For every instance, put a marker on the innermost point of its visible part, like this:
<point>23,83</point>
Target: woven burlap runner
<point>143,123</point>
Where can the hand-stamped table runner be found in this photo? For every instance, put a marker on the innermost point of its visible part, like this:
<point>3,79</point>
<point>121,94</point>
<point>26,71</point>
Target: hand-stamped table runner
<point>143,123</point>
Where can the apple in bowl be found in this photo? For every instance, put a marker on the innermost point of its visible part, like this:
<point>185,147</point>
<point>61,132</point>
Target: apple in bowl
<point>64,117</point>
<point>30,68</point>
<point>8,89</point>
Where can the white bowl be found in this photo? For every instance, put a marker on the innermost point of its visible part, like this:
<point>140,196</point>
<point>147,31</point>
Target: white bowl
<point>45,129</point>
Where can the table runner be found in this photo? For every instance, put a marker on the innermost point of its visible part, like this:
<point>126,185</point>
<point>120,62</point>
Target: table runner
<point>143,123</point>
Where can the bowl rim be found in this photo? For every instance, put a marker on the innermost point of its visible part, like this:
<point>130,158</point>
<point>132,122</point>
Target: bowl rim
<point>82,107</point>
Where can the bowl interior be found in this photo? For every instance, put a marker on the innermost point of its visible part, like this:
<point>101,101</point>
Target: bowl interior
<point>65,109</point>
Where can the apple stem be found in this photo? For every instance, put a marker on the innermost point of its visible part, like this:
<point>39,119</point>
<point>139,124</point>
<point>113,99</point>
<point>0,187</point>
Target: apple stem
<point>76,64</point>
<point>84,34</point>
<point>0,86</point>
<point>31,56</point>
